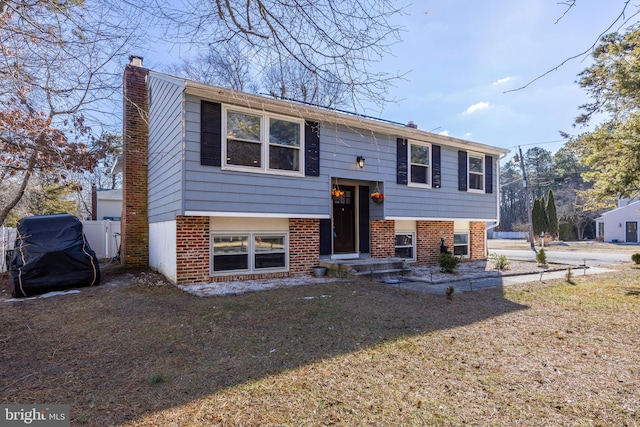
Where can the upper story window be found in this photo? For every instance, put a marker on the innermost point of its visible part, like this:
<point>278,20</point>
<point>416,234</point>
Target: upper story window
<point>420,163</point>
<point>262,142</point>
<point>476,172</point>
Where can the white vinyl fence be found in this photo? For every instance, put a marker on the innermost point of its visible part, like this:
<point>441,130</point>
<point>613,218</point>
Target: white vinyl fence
<point>507,235</point>
<point>103,237</point>
<point>7,237</point>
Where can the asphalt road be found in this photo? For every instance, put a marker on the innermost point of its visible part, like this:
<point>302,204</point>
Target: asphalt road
<point>565,257</point>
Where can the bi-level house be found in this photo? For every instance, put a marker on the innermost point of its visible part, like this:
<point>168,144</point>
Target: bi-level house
<point>221,185</point>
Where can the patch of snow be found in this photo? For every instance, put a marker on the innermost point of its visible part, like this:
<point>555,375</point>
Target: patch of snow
<point>245,286</point>
<point>321,296</point>
<point>55,294</point>
<point>47,295</point>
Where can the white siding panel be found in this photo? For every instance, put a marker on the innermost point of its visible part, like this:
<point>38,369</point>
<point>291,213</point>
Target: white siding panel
<point>222,224</point>
<point>162,249</point>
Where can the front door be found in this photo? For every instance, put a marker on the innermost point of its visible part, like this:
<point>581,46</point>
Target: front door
<point>344,221</point>
<point>632,232</point>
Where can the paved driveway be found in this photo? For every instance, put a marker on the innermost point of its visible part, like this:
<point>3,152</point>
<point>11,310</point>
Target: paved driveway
<point>572,253</point>
<point>570,258</point>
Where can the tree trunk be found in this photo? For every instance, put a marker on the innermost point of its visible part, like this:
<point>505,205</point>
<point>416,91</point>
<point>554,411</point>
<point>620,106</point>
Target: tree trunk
<point>4,211</point>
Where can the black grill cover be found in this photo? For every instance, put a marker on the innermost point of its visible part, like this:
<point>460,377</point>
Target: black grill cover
<point>51,253</point>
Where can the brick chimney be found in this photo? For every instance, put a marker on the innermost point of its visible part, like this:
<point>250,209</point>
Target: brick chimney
<point>94,202</point>
<point>135,143</point>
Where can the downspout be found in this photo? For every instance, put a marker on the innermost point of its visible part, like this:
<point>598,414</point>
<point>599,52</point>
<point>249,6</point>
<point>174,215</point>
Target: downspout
<point>486,247</point>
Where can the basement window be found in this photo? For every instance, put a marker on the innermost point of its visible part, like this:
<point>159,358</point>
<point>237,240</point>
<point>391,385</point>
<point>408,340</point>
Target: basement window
<point>405,246</point>
<point>249,253</point>
<point>461,244</point>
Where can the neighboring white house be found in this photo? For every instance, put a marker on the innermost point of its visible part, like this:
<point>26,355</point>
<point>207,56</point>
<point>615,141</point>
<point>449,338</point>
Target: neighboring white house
<point>109,204</point>
<point>620,225</point>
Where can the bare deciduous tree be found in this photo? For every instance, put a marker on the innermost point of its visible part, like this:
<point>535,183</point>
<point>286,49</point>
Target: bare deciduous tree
<point>291,80</point>
<point>224,64</point>
<point>55,69</point>
<point>338,41</point>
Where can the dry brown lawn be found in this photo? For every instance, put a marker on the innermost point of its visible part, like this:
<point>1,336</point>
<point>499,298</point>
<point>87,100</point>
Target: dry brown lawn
<point>138,352</point>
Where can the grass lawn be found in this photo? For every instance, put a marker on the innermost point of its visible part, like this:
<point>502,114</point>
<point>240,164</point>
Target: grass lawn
<point>138,352</point>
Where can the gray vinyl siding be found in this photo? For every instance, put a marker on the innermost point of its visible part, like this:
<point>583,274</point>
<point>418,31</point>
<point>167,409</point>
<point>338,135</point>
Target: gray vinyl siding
<point>444,202</point>
<point>341,146</point>
<point>165,149</point>
<point>211,189</point>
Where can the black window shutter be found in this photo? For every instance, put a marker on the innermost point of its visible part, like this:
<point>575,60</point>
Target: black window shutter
<point>363,219</point>
<point>488,174</point>
<point>325,237</point>
<point>210,133</point>
<point>462,170</point>
<point>312,148</point>
<point>401,161</point>
<point>436,179</point>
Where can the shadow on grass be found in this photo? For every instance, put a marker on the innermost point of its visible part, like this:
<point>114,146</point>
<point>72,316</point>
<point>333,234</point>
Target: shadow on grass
<point>118,352</point>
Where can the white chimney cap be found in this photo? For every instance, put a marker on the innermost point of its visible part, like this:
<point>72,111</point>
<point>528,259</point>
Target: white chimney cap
<point>136,61</point>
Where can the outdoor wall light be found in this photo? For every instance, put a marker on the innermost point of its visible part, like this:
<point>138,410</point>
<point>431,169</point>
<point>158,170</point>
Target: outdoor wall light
<point>360,161</point>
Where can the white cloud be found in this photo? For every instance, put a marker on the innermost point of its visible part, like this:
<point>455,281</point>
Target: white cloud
<point>444,133</point>
<point>477,107</point>
<point>467,135</point>
<point>501,81</point>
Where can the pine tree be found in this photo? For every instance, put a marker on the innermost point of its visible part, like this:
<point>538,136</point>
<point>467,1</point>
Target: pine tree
<point>538,217</point>
<point>552,215</point>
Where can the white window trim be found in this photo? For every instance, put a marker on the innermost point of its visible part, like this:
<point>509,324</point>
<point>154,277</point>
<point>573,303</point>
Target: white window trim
<point>413,243</point>
<point>264,142</point>
<point>251,252</point>
<point>468,245</point>
<point>409,164</point>
<point>476,155</point>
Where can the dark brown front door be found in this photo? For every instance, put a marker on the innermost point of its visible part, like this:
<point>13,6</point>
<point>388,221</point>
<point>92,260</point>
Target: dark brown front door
<point>344,221</point>
<point>632,232</point>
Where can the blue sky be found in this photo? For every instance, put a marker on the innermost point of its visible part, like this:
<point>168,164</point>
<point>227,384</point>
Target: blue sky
<point>461,56</point>
<point>464,55</point>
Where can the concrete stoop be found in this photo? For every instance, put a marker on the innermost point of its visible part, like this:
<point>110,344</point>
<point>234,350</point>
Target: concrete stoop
<point>369,268</point>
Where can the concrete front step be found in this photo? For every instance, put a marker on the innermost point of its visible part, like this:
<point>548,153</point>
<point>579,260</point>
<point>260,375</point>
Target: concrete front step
<point>362,267</point>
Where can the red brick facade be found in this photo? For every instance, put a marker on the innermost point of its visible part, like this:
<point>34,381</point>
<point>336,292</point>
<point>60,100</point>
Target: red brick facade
<point>192,249</point>
<point>304,245</point>
<point>383,239</point>
<point>428,240</point>
<point>135,226</point>
<point>476,240</point>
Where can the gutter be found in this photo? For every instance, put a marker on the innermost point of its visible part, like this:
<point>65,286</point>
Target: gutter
<point>310,112</point>
<point>486,247</point>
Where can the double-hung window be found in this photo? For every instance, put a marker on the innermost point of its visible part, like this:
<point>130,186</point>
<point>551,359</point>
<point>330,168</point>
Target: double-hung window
<point>249,252</point>
<point>405,246</point>
<point>420,163</point>
<point>476,172</point>
<point>461,244</point>
<point>263,142</point>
